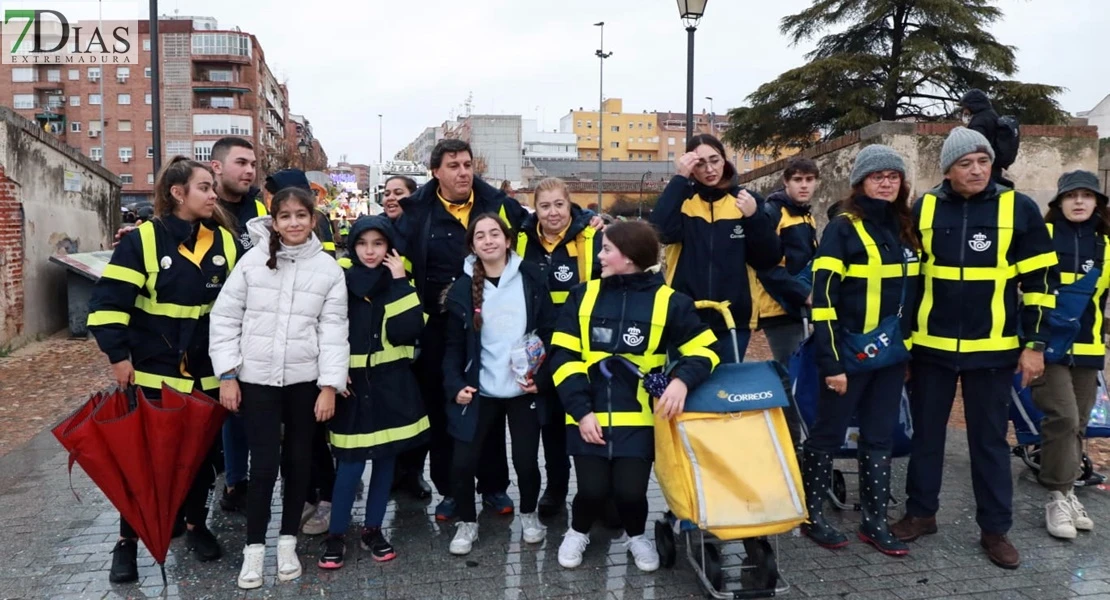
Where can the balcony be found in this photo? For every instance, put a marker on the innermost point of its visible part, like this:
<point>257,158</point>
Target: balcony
<point>208,104</point>
<point>648,145</point>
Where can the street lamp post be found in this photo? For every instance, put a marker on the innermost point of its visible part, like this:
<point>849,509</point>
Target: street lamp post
<point>690,11</point>
<point>302,147</point>
<point>379,138</point>
<point>640,208</point>
<point>712,120</point>
<point>601,55</point>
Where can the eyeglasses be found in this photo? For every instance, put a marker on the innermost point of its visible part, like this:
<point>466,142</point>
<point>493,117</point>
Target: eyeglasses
<point>712,161</point>
<point>894,177</point>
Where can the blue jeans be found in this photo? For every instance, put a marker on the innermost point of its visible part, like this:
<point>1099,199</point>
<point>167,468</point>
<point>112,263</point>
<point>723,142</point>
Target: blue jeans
<point>347,476</point>
<point>235,450</point>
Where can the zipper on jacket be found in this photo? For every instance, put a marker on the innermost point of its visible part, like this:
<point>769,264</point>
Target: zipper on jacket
<point>963,250</point>
<point>609,388</point>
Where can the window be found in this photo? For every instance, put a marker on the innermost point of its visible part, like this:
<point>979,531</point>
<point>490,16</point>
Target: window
<point>123,99</point>
<point>75,75</point>
<point>615,128</point>
<point>149,125</point>
<point>221,102</point>
<point>125,153</point>
<point>75,100</point>
<point>589,124</point>
<point>146,72</point>
<point>649,126</point>
<point>614,144</point>
<point>96,153</point>
<point>94,125</point>
<point>630,125</point>
<point>640,125</point>
<point>629,156</point>
<point>23,101</point>
<point>125,178</point>
<point>94,99</point>
<point>670,141</point>
<point>747,157</point>
<point>23,74</point>
<point>124,125</point>
<point>75,127</point>
<point>150,151</point>
<point>146,45</point>
<point>579,122</point>
<point>237,44</point>
<point>222,125</point>
<point>148,98</point>
<point>123,74</point>
<point>222,76</point>
<point>150,176</point>
<point>94,73</point>
<point>670,155</point>
<point>54,75</point>
<point>202,151</point>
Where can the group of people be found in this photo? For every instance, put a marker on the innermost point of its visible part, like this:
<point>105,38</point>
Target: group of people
<point>400,352</point>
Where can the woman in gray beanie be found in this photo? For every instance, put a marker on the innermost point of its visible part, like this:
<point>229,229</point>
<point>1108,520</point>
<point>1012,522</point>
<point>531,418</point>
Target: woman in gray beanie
<point>864,276</point>
<point>1079,223</point>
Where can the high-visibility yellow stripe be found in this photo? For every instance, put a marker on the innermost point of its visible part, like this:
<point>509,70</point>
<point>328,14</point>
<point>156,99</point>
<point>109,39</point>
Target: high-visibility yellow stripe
<point>380,438</point>
<point>824,314</point>
<point>1034,263</point>
<point>567,341</point>
<point>328,246</point>
<point>521,243</point>
<point>124,274</point>
<point>231,252</point>
<point>586,309</point>
<point>210,383</point>
<point>1038,299</point>
<point>260,208</point>
<point>1002,273</point>
<point>108,317</point>
<point>620,419</point>
<point>980,345</point>
<point>558,298</point>
<point>150,248</point>
<point>344,262</point>
<point>644,362</point>
<point>928,206</point>
<point>874,299</point>
<point>700,346</point>
<point>658,318</point>
<point>586,257</point>
<point>885,271</point>
<point>706,353</point>
<point>402,304</point>
<point>1093,349</point>
<point>151,380</point>
<point>392,354</point>
<point>1068,278</point>
<point>574,367</point>
<point>358,361</point>
<point>166,309</point>
<point>829,263</point>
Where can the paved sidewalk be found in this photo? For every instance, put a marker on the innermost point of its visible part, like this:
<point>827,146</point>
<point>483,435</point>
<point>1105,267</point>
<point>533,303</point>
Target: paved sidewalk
<point>52,546</point>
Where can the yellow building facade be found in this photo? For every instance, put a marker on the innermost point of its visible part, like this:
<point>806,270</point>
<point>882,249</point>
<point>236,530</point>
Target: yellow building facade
<point>623,136</point>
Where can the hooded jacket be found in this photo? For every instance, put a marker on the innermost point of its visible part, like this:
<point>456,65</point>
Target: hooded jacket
<point>1080,248</point>
<point>778,295</point>
<point>463,361</point>
<point>282,326</point>
<point>573,261</point>
<point>984,119</point>
<point>385,414</point>
<point>435,242</point>
<point>710,244</point>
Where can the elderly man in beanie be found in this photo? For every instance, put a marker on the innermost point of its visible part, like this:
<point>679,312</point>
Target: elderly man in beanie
<point>1077,220</point>
<point>981,245</point>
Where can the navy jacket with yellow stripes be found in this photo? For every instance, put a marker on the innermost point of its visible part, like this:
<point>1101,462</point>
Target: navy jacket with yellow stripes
<point>1080,248</point>
<point>858,279</point>
<point>572,262</point>
<point>152,302</point>
<point>977,253</point>
<point>249,207</point>
<point>385,414</point>
<point>778,295</point>
<point>710,244</point>
<point>637,317</point>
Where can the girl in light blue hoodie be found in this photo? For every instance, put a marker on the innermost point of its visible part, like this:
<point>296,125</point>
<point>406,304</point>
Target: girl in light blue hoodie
<point>490,308</point>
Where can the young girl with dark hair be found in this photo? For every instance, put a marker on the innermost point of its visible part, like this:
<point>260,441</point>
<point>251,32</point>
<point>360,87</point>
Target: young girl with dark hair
<point>182,256</point>
<point>280,328</point>
<point>490,308</point>
<point>609,422</point>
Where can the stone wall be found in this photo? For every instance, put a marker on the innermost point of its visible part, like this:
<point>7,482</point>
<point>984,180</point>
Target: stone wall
<point>1046,152</point>
<point>40,218</point>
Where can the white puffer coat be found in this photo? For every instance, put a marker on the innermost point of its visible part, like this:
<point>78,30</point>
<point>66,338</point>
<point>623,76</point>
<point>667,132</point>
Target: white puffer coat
<point>284,326</point>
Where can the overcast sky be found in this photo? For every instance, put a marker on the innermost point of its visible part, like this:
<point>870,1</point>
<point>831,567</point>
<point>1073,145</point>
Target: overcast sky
<point>415,61</point>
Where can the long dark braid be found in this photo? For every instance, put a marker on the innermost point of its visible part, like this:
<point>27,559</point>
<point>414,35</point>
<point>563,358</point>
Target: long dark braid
<point>275,245</point>
<point>478,275</point>
<point>477,292</point>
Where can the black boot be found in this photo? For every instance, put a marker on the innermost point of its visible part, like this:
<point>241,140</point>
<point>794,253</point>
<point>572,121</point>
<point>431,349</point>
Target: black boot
<point>552,501</point>
<point>125,568</point>
<point>874,492</point>
<point>203,543</point>
<point>817,476</point>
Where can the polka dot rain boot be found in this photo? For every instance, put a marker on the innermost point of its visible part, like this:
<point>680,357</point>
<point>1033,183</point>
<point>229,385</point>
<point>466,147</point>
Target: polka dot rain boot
<point>874,491</point>
<point>817,476</point>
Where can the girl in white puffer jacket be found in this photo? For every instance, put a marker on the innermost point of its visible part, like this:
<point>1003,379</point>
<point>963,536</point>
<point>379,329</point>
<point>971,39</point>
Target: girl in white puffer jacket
<point>279,330</point>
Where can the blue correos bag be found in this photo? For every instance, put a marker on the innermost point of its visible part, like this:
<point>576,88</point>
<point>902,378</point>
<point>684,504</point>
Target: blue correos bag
<point>881,347</point>
<point>1064,320</point>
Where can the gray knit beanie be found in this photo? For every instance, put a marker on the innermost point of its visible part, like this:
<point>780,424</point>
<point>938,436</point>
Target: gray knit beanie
<point>875,158</point>
<point>961,142</point>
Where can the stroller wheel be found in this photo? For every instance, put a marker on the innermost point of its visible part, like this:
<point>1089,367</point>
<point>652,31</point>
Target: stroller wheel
<point>712,567</point>
<point>1088,468</point>
<point>665,543</point>
<point>839,487</point>
<point>762,572</point>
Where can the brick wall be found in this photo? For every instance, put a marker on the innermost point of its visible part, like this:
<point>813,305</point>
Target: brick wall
<point>11,259</point>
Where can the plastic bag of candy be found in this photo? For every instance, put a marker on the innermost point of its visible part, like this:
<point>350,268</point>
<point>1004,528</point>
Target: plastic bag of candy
<point>526,357</point>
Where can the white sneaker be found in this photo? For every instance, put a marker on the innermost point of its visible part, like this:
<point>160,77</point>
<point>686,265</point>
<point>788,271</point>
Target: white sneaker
<point>318,523</point>
<point>307,512</point>
<point>643,551</point>
<point>465,536</point>
<point>1078,513</point>
<point>289,566</point>
<point>534,531</point>
<point>250,576</point>
<point>570,551</point>
<point>1057,517</point>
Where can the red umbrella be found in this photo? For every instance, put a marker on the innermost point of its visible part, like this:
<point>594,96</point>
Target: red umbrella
<point>143,454</point>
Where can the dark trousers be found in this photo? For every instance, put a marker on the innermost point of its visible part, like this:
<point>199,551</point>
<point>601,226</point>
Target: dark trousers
<point>986,397</point>
<point>195,506</point>
<point>524,427</point>
<point>875,396</point>
<point>322,479</point>
<point>265,409</point>
<point>623,479</point>
<point>556,461</point>
<point>493,472</point>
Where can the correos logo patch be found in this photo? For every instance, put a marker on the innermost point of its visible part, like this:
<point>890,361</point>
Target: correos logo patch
<point>764,395</point>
